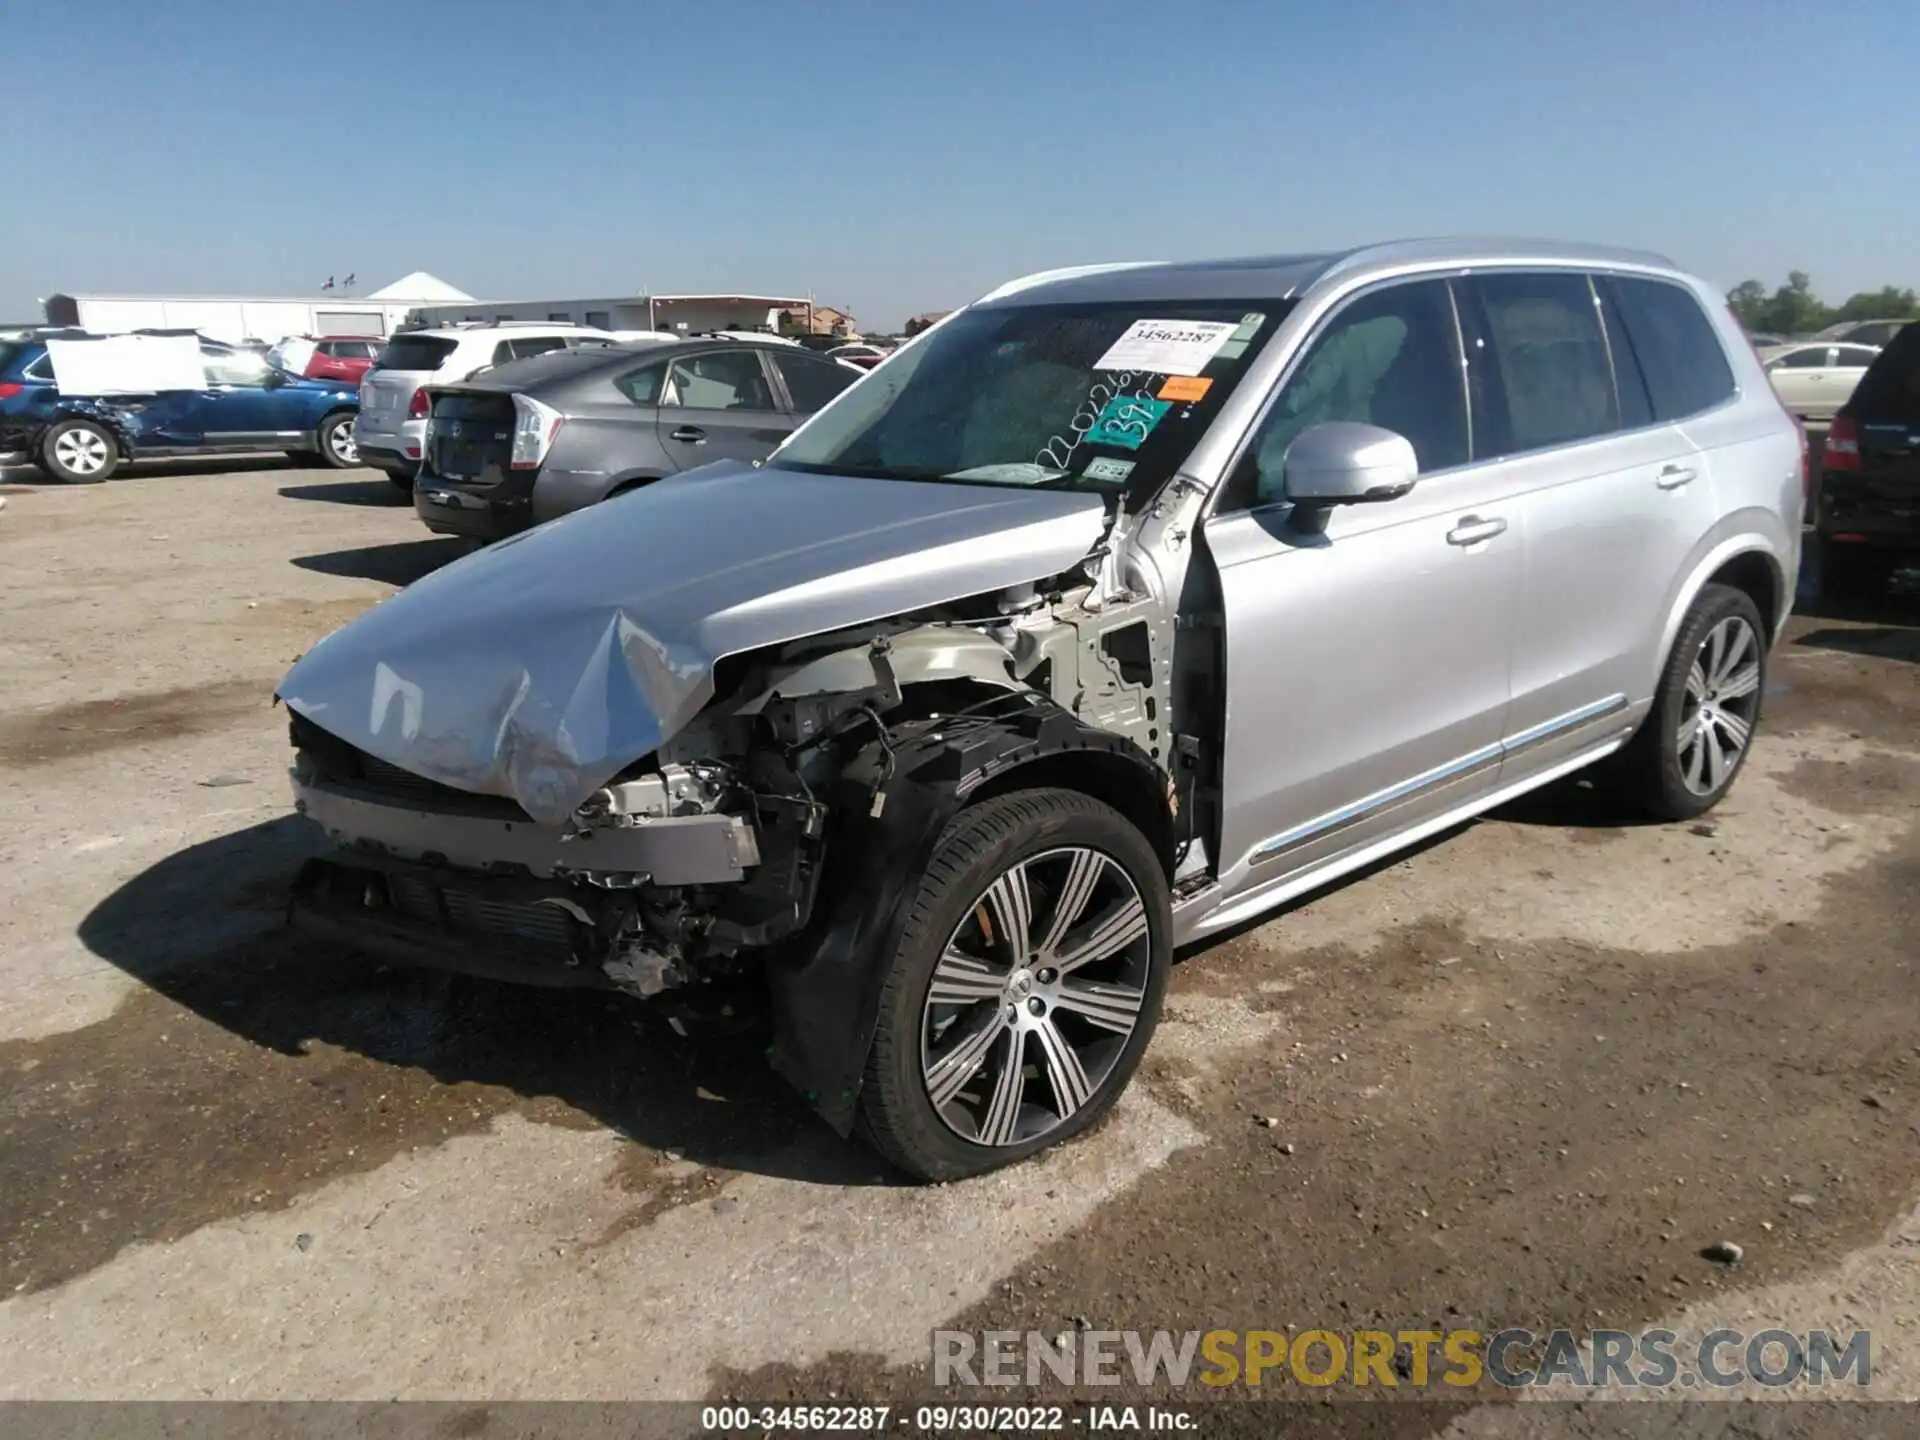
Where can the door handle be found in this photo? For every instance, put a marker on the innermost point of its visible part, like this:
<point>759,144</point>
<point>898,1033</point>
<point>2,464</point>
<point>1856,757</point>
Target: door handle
<point>1672,477</point>
<point>691,434</point>
<point>1472,530</point>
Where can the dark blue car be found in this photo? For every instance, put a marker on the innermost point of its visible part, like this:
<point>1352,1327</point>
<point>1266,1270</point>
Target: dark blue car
<point>245,405</point>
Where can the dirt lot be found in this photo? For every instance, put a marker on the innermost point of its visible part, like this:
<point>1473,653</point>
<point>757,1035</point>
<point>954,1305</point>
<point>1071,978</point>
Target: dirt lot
<point>1521,1077</point>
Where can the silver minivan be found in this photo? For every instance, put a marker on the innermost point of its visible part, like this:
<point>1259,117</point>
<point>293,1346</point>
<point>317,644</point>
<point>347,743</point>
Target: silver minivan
<point>1116,609</point>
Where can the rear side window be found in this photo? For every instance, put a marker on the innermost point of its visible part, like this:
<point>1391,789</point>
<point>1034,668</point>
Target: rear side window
<point>1673,340</point>
<point>530,345</point>
<point>1550,359</point>
<point>642,386</point>
<point>415,352</point>
<point>1891,386</point>
<point>812,383</point>
<point>1855,357</point>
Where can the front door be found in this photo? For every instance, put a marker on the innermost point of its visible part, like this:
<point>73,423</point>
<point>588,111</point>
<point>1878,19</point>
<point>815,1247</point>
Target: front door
<point>1367,665</point>
<point>240,408</point>
<point>719,406</point>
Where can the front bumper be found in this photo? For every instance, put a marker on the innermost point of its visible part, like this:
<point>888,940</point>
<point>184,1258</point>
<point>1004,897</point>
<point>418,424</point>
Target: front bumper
<point>491,927</point>
<point>711,849</point>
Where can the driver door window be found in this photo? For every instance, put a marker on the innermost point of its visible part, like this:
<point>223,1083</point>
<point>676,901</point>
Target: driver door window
<point>1392,359</point>
<point>233,367</point>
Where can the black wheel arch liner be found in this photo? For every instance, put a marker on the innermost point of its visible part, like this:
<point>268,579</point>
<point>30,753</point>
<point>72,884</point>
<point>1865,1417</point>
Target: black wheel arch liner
<point>826,992</point>
<point>95,412</point>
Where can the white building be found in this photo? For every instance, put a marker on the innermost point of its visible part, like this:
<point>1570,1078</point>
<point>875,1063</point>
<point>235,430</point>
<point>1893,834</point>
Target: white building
<point>691,314</point>
<point>236,318</point>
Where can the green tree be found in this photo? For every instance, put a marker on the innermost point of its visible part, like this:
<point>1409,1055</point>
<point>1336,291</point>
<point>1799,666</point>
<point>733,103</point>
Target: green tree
<point>1748,301</point>
<point>1889,302</point>
<point>1794,308</point>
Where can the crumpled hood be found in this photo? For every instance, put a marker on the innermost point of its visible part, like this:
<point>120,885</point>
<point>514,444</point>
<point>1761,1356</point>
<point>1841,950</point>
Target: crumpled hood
<point>541,667</point>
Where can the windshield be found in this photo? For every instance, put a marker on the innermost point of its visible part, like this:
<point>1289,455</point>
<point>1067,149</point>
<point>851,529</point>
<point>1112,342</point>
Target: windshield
<point>1110,396</point>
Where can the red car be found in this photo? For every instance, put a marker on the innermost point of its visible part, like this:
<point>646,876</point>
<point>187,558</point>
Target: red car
<point>342,358</point>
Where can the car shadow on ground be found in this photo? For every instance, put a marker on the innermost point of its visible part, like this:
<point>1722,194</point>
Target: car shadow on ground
<point>205,928</point>
<point>381,492</point>
<point>401,563</point>
<point>25,479</point>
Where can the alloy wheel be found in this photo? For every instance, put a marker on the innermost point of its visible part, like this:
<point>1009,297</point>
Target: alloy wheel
<point>1722,700</point>
<point>80,452</point>
<point>340,442</point>
<point>1035,996</point>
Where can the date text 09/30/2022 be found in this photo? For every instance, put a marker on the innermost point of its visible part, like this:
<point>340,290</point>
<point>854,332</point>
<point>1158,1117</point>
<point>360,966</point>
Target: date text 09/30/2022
<point>963,1419</point>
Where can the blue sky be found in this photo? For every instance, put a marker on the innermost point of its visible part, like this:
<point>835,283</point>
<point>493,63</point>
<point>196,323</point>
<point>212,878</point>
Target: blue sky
<point>898,157</point>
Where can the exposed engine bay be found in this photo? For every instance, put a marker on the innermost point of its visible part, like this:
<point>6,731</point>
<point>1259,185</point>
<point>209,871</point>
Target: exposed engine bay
<point>816,772</point>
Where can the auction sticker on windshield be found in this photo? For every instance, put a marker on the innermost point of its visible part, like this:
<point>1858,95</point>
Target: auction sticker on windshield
<point>1126,420</point>
<point>1167,347</point>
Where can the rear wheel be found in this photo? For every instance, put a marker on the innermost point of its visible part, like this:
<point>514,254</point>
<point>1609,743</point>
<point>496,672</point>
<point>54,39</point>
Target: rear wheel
<point>1705,712</point>
<point>1027,984</point>
<point>78,452</point>
<point>337,447</point>
<point>402,483</point>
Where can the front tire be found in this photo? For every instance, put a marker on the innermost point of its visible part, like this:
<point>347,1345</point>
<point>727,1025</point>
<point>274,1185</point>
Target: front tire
<point>1705,712</point>
<point>79,452</point>
<point>1027,983</point>
<point>335,438</point>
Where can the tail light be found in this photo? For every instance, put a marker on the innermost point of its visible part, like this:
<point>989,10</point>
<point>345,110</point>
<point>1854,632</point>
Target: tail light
<point>419,407</point>
<point>9,389</point>
<point>1843,444</point>
<point>534,427</point>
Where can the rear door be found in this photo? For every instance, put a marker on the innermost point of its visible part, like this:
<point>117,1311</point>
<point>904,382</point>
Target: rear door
<point>1589,383</point>
<point>719,405</point>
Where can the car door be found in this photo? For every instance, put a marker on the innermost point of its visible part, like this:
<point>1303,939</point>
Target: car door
<point>1585,385</point>
<point>238,408</point>
<point>719,405</point>
<point>1366,664</point>
<point>1801,380</point>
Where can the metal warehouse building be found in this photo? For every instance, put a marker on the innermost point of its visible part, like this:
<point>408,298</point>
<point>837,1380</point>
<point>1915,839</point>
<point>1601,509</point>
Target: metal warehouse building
<point>235,318</point>
<point>690,313</point>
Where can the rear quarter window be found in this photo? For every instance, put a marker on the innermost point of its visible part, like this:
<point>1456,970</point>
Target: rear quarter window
<point>1679,354</point>
<point>415,352</point>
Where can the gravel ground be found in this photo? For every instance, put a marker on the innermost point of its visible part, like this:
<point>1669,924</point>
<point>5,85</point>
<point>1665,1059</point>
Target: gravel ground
<point>1520,1077</point>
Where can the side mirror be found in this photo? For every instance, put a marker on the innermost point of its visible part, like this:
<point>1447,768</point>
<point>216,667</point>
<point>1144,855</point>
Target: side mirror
<point>276,377</point>
<point>1342,462</point>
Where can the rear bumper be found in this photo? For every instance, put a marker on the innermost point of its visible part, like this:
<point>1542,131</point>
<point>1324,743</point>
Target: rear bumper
<point>485,512</point>
<point>1868,511</point>
<point>400,441</point>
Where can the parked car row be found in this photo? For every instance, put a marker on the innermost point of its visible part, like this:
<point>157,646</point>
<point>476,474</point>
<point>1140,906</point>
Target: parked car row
<point>940,729</point>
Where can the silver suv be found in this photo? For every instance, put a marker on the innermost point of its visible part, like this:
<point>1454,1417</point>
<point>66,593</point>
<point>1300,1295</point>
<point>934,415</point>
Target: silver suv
<point>1114,610</point>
